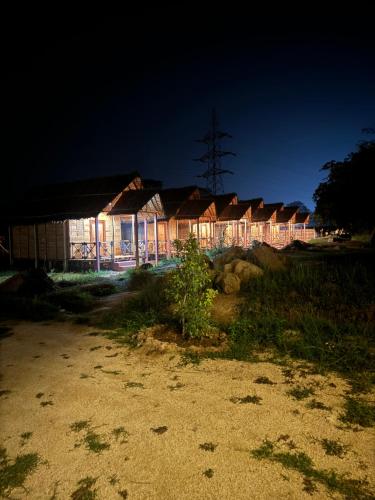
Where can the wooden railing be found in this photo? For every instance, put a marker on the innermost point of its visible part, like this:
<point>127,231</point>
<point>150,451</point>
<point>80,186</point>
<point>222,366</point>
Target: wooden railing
<point>125,249</point>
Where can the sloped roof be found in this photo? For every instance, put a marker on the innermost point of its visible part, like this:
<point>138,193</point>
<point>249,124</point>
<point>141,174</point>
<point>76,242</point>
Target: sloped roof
<point>133,201</point>
<point>254,203</point>
<point>174,198</point>
<point>223,200</point>
<point>193,209</point>
<point>286,214</point>
<point>235,212</point>
<point>302,218</point>
<point>109,185</point>
<point>263,214</point>
<point>276,206</point>
<point>71,200</point>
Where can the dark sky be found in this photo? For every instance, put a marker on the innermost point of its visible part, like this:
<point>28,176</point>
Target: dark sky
<point>98,95</point>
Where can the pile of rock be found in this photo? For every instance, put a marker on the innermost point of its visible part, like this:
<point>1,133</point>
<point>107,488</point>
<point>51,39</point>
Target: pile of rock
<point>236,266</point>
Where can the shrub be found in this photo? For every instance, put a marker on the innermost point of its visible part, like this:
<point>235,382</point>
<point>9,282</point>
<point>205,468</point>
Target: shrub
<point>188,289</point>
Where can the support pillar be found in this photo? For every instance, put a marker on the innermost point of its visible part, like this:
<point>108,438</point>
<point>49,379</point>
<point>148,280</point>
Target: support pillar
<point>97,244</point>
<point>65,263</point>
<point>113,240</point>
<point>168,240</point>
<point>245,235</point>
<point>145,230</point>
<point>198,235</point>
<point>156,239</point>
<point>189,227</point>
<point>135,220</point>
<point>176,229</point>
<point>132,248</point>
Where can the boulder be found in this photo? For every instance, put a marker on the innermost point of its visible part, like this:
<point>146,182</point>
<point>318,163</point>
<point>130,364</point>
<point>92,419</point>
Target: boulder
<point>246,270</point>
<point>227,256</point>
<point>28,283</point>
<point>266,258</point>
<point>228,282</point>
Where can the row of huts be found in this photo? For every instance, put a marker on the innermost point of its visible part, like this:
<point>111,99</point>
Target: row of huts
<point>119,221</point>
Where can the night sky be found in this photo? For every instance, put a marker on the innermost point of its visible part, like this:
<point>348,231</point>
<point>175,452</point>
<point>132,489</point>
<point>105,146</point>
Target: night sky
<point>89,96</point>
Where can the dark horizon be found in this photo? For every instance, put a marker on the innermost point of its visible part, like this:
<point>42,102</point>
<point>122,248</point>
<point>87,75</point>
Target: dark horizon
<point>110,95</point>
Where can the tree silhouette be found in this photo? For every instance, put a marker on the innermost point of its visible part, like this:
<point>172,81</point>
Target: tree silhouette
<point>345,199</point>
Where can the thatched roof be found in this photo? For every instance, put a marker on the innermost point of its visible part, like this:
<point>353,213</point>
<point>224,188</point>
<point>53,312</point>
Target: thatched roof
<point>133,201</point>
<point>195,209</point>
<point>70,200</point>
<point>275,206</point>
<point>254,203</point>
<point>286,215</point>
<point>302,218</point>
<point>263,214</point>
<point>222,201</point>
<point>173,198</point>
<point>236,212</point>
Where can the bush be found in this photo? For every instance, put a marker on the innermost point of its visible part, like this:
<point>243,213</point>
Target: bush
<point>188,289</point>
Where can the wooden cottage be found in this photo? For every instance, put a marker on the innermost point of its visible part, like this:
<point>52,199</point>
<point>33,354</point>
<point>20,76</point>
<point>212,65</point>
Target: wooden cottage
<point>262,222</point>
<point>234,222</point>
<point>85,221</point>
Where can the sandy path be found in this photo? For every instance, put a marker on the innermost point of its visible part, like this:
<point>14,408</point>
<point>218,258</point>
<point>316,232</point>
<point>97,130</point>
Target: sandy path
<point>94,379</point>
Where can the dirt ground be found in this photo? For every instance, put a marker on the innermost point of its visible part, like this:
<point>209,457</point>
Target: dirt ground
<point>168,430</point>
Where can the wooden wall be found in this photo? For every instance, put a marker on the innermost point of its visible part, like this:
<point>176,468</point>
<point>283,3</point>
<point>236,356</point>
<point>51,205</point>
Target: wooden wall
<point>50,241</point>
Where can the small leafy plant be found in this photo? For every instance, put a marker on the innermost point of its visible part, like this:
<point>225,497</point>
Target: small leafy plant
<point>189,289</point>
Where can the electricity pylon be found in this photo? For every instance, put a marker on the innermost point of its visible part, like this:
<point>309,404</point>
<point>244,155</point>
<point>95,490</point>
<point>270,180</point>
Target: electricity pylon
<point>214,172</point>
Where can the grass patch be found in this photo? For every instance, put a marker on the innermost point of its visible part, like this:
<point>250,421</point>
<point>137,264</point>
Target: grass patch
<point>358,412</point>
<point>190,358</point>
<point>14,474</point>
<point>79,425</point>
<point>319,310</point>
<point>208,446</point>
<point>247,399</point>
<point>93,442</point>
<point>264,380</point>
<point>84,490</point>
<point>209,473</point>
<point>333,448</point>
<point>317,405</point>
<point>120,432</point>
<point>301,392</point>
<point>299,461</point>
<point>137,385</point>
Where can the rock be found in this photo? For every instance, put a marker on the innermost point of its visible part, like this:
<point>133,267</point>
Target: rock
<point>227,256</point>
<point>245,270</point>
<point>266,258</point>
<point>28,283</point>
<point>228,282</point>
<point>227,268</point>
